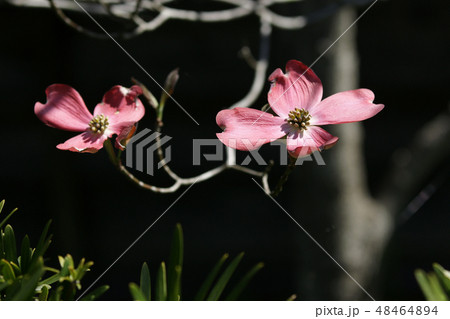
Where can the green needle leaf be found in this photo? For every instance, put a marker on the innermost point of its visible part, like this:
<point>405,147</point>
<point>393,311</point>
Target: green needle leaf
<point>95,294</point>
<point>2,246</point>
<point>51,280</point>
<point>146,282</point>
<point>292,297</point>
<point>422,279</point>
<point>136,292</point>
<point>6,270</point>
<point>30,282</point>
<point>7,217</point>
<point>16,268</point>
<point>25,255</point>
<point>161,284</point>
<point>439,293</point>
<point>430,286</point>
<point>240,286</point>
<point>177,284</point>
<point>44,294</point>
<point>217,290</point>
<point>43,244</point>
<point>175,265</point>
<point>201,294</point>
<point>443,276</point>
<point>10,244</point>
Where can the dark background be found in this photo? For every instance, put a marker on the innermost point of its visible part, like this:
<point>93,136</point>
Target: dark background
<point>97,213</point>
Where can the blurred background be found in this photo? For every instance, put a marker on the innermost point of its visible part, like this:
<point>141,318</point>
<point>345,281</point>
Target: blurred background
<point>380,206</point>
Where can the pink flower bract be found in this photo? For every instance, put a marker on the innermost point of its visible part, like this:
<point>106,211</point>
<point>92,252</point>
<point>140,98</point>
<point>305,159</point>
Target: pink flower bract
<point>296,97</point>
<point>117,114</point>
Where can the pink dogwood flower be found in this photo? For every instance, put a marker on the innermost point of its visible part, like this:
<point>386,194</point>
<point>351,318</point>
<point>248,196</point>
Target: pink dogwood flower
<point>117,114</point>
<point>296,97</point>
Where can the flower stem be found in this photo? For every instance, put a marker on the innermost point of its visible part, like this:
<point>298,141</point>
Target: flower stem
<point>283,179</point>
<point>112,155</point>
<point>119,154</point>
<point>159,112</point>
<point>169,87</point>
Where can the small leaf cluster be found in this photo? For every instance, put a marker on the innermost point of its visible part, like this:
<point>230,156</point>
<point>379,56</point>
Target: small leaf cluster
<point>435,285</point>
<point>23,273</point>
<point>168,279</point>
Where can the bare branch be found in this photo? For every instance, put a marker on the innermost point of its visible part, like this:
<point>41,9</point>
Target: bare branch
<point>230,163</point>
<point>130,10</point>
<point>136,9</point>
<point>208,16</point>
<point>250,98</point>
<point>282,21</point>
<point>260,69</point>
<point>178,181</point>
<point>154,24</point>
<point>73,24</point>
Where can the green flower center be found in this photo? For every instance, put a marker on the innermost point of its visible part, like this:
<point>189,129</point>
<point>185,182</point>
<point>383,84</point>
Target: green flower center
<point>99,124</point>
<point>299,118</point>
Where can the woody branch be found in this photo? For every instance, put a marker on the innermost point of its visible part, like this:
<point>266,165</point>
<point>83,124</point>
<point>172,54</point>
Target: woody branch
<point>230,163</point>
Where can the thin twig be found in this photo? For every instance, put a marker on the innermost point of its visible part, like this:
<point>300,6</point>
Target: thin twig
<point>230,163</point>
<point>261,67</point>
<point>73,24</point>
<point>129,11</point>
<point>136,9</point>
<point>243,8</point>
<point>283,179</point>
<point>178,181</point>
